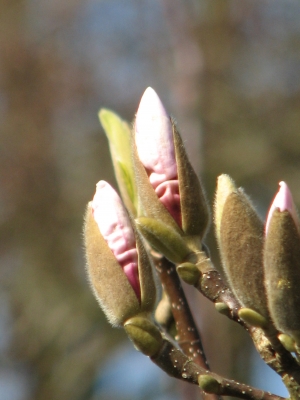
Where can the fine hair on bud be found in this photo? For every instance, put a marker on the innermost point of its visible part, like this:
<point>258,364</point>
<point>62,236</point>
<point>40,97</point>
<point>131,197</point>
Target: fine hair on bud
<point>108,281</point>
<point>241,249</point>
<point>282,272</point>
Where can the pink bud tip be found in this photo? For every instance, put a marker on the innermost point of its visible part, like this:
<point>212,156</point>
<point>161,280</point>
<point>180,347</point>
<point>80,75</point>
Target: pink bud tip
<point>155,147</point>
<point>114,225</point>
<point>284,202</point>
<point>154,139</point>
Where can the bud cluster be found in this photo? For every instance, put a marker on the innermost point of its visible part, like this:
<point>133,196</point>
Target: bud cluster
<point>161,222</point>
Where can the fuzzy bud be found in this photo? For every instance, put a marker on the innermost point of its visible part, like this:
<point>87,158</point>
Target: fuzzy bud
<point>282,264</point>
<point>118,267</point>
<point>161,152</point>
<point>240,238</point>
<point>144,334</point>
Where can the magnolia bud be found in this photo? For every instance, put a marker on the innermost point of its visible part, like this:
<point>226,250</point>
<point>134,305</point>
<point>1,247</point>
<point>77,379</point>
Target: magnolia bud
<point>155,147</point>
<point>283,201</point>
<point>118,267</point>
<point>239,233</point>
<point>161,152</point>
<point>282,264</point>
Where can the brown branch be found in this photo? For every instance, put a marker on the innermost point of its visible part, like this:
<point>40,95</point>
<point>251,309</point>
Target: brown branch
<point>176,364</point>
<point>188,336</point>
<point>212,286</point>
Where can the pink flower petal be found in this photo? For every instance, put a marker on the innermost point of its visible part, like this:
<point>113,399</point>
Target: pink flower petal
<point>154,139</point>
<point>283,201</point>
<point>114,225</point>
<point>168,193</point>
<point>155,147</point>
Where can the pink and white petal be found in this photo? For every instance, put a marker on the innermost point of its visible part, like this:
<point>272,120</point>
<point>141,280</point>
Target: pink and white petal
<point>154,138</point>
<point>131,271</point>
<point>168,193</point>
<point>115,226</point>
<point>284,202</point>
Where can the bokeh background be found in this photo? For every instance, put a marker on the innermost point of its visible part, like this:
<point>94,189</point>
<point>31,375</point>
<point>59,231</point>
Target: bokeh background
<point>229,71</point>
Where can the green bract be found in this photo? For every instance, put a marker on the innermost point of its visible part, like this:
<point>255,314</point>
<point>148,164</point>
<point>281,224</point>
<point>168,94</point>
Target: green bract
<point>164,239</point>
<point>119,137</point>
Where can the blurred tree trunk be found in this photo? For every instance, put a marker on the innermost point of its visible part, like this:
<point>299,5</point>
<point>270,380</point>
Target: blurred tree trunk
<point>57,325</point>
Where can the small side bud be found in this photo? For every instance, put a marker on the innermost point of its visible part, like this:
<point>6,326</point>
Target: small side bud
<point>253,318</point>
<point>189,273</point>
<point>223,308</point>
<point>163,313</point>
<point>144,334</point>
<point>163,239</point>
<point>209,384</point>
<point>287,342</point>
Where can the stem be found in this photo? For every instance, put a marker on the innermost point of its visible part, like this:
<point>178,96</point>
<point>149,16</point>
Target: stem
<point>188,336</point>
<point>212,286</point>
<point>176,364</point>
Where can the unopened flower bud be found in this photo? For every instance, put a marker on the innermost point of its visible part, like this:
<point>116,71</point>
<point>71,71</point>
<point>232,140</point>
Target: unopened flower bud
<point>119,270</point>
<point>155,146</point>
<point>282,264</point>
<point>161,151</point>
<point>284,202</point>
<point>115,226</point>
<point>239,232</point>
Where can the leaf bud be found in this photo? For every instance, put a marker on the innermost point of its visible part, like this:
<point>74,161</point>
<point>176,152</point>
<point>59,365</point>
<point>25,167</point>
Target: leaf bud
<point>144,334</point>
<point>209,384</point>
<point>253,318</point>
<point>163,239</point>
<point>189,273</point>
<point>287,342</point>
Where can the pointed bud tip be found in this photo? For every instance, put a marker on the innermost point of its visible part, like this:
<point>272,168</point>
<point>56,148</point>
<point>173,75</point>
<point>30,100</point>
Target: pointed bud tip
<point>150,103</point>
<point>115,226</point>
<point>225,186</point>
<point>284,202</point>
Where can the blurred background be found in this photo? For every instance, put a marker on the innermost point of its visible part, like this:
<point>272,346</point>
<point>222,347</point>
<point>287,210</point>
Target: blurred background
<point>229,71</point>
